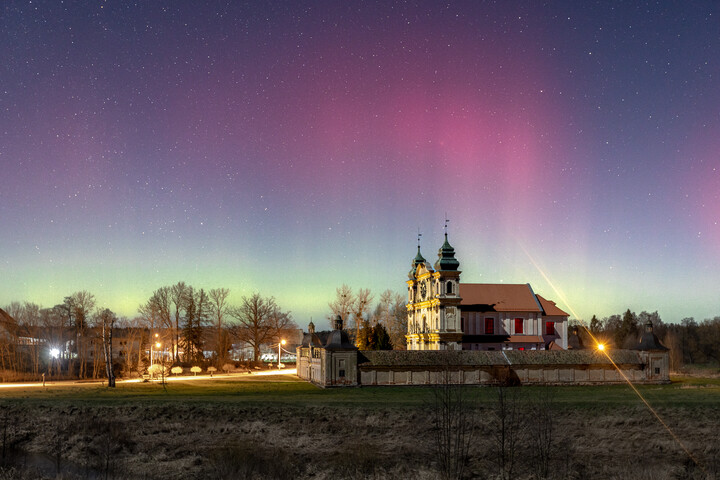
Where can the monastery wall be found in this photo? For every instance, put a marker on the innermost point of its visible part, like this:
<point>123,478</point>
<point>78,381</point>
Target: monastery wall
<point>569,367</point>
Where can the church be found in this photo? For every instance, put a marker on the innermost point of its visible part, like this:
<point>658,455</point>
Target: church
<point>445,314</point>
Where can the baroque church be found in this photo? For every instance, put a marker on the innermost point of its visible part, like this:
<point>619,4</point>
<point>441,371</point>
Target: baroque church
<point>445,314</point>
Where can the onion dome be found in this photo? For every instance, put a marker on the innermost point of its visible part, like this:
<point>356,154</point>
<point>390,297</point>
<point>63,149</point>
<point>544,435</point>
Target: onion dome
<point>338,338</point>
<point>650,341</point>
<point>446,257</point>
<point>418,260</point>
<point>574,340</point>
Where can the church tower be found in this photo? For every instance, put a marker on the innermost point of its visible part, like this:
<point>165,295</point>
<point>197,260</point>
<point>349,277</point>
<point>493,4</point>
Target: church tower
<point>434,302</point>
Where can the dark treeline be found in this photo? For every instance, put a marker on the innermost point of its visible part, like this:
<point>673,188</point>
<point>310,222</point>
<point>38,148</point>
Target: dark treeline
<point>690,342</point>
<point>177,325</point>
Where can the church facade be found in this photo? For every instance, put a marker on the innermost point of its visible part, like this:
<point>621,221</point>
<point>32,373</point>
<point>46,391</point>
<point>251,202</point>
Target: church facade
<point>445,314</point>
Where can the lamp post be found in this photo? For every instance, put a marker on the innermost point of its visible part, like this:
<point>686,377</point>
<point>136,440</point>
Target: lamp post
<point>157,346</point>
<point>280,344</point>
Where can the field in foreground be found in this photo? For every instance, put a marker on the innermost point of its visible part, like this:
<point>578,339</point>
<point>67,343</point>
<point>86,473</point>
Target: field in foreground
<point>279,427</point>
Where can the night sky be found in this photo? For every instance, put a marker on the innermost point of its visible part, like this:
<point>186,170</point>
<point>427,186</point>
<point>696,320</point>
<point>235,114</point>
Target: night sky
<point>289,148</point>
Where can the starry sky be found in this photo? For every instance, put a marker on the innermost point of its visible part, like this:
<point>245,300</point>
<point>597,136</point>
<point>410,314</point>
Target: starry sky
<point>289,147</point>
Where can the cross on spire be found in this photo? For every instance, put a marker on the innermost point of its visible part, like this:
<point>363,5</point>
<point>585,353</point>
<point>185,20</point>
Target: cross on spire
<point>447,220</point>
<point>419,235</point>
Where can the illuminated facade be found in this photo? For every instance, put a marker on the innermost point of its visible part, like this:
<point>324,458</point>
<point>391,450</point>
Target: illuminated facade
<point>444,314</point>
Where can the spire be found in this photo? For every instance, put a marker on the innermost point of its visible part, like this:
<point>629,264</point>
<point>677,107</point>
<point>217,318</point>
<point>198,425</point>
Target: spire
<point>418,260</point>
<point>446,255</point>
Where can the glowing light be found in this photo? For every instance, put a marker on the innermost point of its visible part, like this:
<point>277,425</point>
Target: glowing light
<point>157,345</point>
<point>601,348</point>
<point>54,352</point>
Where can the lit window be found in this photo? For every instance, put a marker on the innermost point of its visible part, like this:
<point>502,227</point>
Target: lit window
<point>489,326</point>
<point>518,325</point>
<point>549,328</point>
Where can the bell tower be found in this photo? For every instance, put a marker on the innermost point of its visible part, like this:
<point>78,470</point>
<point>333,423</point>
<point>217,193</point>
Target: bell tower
<point>434,302</point>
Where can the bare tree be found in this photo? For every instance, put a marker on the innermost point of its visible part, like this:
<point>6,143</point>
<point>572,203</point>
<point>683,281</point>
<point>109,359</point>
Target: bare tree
<point>343,304</point>
<point>453,419</point>
<point>260,321</point>
<point>107,319</point>
<point>506,428</point>
<point>179,296</point>
<point>218,311</point>
<point>131,345</point>
<point>542,430</point>
<point>81,303</point>
<point>392,313</point>
<point>157,311</point>
<point>10,359</point>
<point>359,307</point>
<point>31,319</point>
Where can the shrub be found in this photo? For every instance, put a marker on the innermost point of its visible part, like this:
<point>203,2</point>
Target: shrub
<point>195,369</point>
<point>157,369</point>
<point>176,370</point>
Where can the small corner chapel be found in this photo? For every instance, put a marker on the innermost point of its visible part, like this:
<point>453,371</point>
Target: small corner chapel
<point>444,314</point>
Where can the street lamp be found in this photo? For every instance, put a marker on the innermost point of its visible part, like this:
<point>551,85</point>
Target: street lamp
<point>280,344</point>
<point>157,345</point>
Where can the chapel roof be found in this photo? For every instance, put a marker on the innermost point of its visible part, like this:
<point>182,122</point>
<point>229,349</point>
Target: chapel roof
<point>550,308</point>
<point>649,341</point>
<point>501,297</point>
<point>338,338</point>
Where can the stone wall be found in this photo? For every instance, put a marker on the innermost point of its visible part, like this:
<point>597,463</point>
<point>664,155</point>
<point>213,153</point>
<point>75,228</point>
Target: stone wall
<point>568,367</point>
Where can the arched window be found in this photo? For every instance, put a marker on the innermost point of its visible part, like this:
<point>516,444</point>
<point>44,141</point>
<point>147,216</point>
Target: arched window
<point>448,287</point>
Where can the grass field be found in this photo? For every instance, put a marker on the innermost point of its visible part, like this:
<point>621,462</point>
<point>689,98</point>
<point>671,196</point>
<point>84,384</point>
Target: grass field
<point>281,427</point>
<point>281,389</point>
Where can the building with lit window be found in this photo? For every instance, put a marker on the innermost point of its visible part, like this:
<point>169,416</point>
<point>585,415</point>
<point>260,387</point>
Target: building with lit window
<point>445,314</point>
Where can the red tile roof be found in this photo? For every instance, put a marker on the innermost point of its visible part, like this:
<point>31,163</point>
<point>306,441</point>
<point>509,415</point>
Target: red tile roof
<point>502,297</point>
<point>550,308</point>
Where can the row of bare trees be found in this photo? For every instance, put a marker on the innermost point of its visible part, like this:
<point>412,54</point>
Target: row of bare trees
<point>189,315</point>
<point>360,317</point>
<point>75,338</point>
<point>472,434</point>
<point>60,339</point>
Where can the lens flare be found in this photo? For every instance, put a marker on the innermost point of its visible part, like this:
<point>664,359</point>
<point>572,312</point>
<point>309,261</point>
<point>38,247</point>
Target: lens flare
<point>601,348</point>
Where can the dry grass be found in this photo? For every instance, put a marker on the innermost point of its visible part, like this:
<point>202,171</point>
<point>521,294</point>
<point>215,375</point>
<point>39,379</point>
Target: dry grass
<point>292,430</point>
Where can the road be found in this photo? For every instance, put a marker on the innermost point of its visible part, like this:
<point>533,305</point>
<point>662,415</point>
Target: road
<point>172,378</point>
